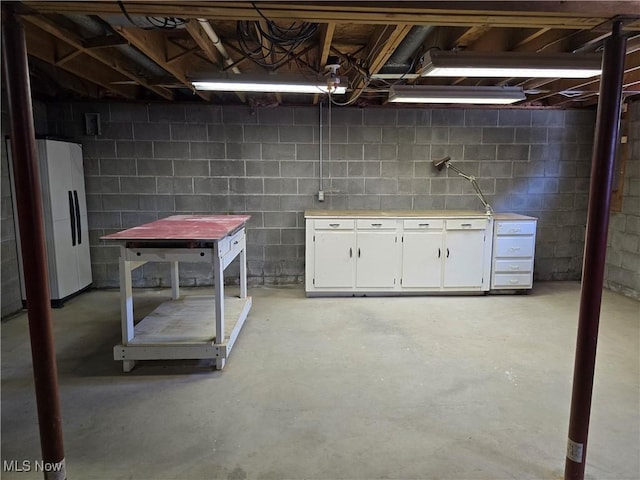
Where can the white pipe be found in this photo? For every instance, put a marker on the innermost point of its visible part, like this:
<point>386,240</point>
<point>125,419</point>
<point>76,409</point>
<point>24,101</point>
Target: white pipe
<point>213,36</point>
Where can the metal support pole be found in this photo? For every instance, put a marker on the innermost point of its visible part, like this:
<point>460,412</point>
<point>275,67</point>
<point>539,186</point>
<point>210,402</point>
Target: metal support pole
<point>602,170</point>
<point>32,241</point>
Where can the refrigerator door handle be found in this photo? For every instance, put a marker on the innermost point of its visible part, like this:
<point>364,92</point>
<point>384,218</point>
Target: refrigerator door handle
<point>72,219</point>
<point>78,224</point>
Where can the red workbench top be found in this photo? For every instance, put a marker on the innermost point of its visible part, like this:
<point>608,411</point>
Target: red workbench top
<point>183,227</point>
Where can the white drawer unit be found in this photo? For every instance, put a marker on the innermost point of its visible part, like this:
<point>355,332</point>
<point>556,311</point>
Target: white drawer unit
<point>403,252</point>
<point>513,252</point>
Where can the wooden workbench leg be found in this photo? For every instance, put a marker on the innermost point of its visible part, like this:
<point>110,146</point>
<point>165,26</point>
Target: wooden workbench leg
<point>126,305</point>
<point>218,279</point>
<point>243,270</point>
<point>175,281</point>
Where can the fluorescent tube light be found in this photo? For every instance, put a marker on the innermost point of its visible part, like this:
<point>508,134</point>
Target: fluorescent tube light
<point>233,85</point>
<point>438,63</point>
<point>456,94</point>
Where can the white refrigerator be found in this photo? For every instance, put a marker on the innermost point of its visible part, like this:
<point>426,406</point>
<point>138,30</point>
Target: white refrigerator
<point>65,219</point>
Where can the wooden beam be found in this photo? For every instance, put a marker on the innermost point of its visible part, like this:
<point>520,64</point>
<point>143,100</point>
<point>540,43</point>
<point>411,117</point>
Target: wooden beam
<point>471,35</point>
<point>43,46</point>
<point>326,37</point>
<point>514,14</point>
<point>104,41</point>
<point>111,59</point>
<point>152,44</point>
<point>381,46</point>
<point>204,42</point>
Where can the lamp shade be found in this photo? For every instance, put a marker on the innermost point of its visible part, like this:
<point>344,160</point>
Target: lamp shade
<point>455,94</point>
<point>438,63</point>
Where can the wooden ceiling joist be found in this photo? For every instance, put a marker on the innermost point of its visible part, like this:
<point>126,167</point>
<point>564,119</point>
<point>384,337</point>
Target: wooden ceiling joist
<point>518,14</point>
<point>152,44</point>
<point>204,42</point>
<point>111,59</point>
<point>43,46</point>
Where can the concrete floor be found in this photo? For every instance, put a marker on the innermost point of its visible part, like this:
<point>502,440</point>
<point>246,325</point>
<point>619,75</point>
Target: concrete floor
<point>334,388</point>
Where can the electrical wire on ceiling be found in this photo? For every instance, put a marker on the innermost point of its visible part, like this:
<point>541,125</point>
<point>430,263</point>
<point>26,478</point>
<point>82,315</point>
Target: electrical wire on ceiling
<point>153,23</point>
<point>276,44</point>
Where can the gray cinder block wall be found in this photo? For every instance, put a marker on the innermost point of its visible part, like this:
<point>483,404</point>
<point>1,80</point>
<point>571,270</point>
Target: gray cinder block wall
<point>623,253</point>
<point>156,160</point>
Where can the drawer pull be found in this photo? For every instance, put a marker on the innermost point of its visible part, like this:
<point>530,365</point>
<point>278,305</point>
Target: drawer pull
<point>376,224</point>
<point>514,267</point>
<point>334,225</point>
<point>423,225</point>
<point>465,225</point>
<point>514,249</point>
<point>515,230</point>
<point>513,282</point>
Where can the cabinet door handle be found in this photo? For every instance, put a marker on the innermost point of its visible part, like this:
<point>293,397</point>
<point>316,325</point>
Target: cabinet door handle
<point>447,253</point>
<point>439,253</point>
<point>78,223</point>
<point>72,219</point>
<point>334,225</point>
<point>358,253</point>
<point>350,252</point>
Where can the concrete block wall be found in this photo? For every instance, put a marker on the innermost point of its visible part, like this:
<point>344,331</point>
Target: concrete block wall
<point>154,160</point>
<point>623,251</point>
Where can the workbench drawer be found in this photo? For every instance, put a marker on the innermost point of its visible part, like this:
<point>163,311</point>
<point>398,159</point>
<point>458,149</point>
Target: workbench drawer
<point>515,228</point>
<point>423,224</point>
<point>334,224</point>
<point>466,224</point>
<point>376,224</point>
<point>513,266</point>
<point>512,280</point>
<point>514,247</point>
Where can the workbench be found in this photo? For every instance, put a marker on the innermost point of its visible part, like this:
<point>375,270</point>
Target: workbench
<point>191,327</point>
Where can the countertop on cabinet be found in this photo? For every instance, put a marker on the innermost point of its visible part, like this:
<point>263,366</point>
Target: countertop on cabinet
<point>395,213</point>
<point>512,216</point>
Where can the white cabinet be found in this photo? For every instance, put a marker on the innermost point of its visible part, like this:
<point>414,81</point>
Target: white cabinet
<point>65,219</point>
<point>464,254</point>
<point>422,244</point>
<point>334,242</point>
<point>397,252</point>
<point>513,252</point>
<point>376,258</point>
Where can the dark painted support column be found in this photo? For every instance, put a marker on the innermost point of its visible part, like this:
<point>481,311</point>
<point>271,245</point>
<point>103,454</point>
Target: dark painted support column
<point>602,170</point>
<point>32,241</point>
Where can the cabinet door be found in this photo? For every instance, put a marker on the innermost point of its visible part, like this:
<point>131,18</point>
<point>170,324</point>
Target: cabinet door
<point>464,258</point>
<point>422,259</point>
<point>61,244</point>
<point>376,259</point>
<point>334,259</point>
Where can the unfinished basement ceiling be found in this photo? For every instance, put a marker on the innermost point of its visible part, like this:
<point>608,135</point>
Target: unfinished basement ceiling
<point>145,51</point>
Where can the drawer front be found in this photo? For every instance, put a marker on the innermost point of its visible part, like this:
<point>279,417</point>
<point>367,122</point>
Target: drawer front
<point>515,228</point>
<point>512,280</point>
<point>375,224</point>
<point>514,266</point>
<point>514,247</point>
<point>475,224</point>
<point>422,224</point>
<point>334,224</point>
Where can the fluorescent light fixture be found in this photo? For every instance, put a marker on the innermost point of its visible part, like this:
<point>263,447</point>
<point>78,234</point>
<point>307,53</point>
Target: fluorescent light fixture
<point>267,85</point>
<point>438,63</point>
<point>455,94</point>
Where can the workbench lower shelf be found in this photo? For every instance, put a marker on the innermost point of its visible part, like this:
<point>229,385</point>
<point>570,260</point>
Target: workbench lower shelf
<point>183,329</point>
